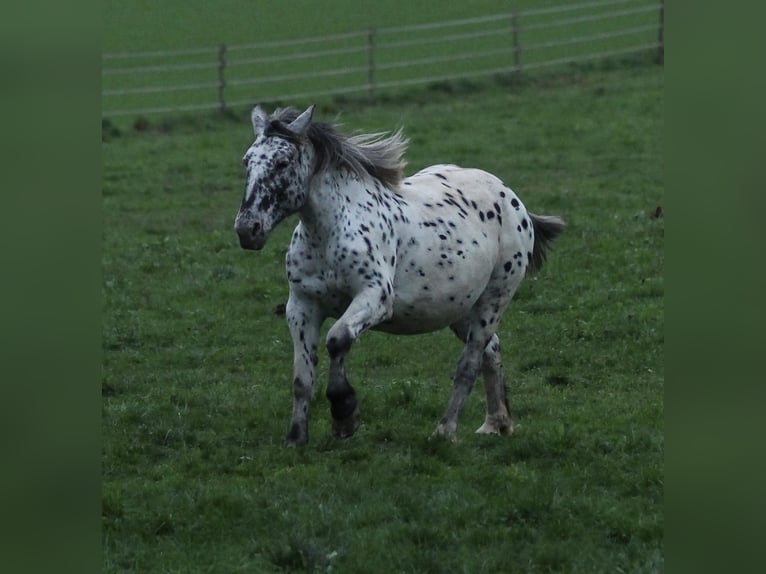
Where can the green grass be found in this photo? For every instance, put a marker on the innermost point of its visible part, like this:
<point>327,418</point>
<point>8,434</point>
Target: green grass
<point>197,364</point>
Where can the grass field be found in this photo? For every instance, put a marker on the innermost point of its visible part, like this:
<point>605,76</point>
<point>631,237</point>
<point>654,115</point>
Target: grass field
<point>197,364</point>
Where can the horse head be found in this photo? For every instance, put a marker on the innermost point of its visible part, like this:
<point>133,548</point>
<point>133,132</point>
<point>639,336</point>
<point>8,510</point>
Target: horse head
<point>278,165</point>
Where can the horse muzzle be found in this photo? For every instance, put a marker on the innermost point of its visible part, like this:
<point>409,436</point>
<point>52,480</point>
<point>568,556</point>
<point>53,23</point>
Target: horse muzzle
<point>251,235</point>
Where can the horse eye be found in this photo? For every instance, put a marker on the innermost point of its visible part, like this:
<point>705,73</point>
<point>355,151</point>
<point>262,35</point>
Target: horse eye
<point>281,164</point>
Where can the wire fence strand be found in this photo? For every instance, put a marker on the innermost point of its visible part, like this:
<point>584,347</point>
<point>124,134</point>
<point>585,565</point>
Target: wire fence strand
<point>377,59</point>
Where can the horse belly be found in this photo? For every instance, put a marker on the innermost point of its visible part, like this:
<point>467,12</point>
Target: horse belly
<point>423,317</point>
<point>429,300</point>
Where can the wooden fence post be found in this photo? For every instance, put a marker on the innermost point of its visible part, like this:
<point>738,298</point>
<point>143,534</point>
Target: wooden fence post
<point>516,43</point>
<point>661,35</point>
<point>221,79</point>
<point>371,63</point>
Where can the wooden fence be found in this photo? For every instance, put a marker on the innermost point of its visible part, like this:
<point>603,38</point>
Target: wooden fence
<point>377,59</point>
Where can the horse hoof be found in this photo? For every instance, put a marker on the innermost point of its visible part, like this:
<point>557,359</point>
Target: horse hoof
<point>499,427</point>
<point>297,436</point>
<point>345,428</point>
<point>445,432</point>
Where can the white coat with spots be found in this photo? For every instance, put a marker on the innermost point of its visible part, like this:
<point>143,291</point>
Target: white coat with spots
<point>445,247</point>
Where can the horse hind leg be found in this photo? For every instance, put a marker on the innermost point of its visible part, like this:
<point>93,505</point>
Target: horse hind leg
<point>481,354</point>
<point>465,376</point>
<point>468,367</point>
<point>498,419</point>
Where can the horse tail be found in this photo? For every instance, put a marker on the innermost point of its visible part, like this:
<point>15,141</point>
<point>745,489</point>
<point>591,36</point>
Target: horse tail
<point>547,228</point>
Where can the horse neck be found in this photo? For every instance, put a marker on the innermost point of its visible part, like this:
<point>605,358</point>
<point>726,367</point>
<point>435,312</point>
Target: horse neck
<point>329,197</point>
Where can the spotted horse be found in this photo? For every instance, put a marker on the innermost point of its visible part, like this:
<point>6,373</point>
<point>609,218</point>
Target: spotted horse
<point>445,247</point>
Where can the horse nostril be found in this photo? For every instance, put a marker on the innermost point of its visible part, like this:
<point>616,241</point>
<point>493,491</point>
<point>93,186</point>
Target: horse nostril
<point>256,228</point>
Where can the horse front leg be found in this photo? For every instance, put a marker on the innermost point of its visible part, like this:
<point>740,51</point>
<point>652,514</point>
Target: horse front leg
<point>344,407</point>
<point>366,310</point>
<point>304,320</point>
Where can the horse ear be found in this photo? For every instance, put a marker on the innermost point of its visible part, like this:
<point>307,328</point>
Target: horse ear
<point>259,119</point>
<point>300,125</point>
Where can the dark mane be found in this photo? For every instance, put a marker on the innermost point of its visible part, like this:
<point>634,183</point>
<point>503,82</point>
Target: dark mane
<point>379,155</point>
